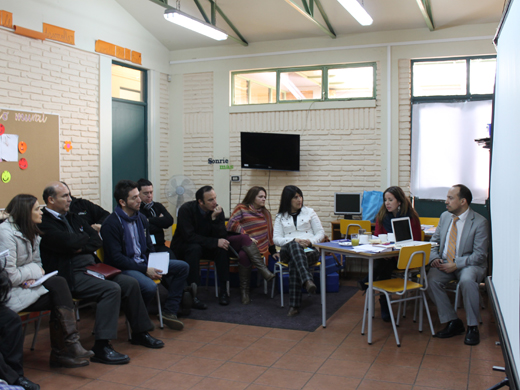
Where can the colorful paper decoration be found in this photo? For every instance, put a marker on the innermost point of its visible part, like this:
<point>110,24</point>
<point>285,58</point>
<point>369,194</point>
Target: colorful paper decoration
<point>68,146</point>
<point>22,163</point>
<point>22,147</point>
<point>2,129</point>
<point>6,176</point>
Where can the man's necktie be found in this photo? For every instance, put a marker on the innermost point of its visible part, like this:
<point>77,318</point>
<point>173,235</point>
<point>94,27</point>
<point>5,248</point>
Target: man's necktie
<point>64,219</point>
<point>452,245</point>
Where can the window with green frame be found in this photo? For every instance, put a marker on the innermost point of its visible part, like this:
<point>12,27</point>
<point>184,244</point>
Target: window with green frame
<point>313,83</point>
<point>461,78</point>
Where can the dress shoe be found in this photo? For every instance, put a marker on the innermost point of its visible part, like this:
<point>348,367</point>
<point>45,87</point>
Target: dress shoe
<point>26,384</point>
<point>472,336</point>
<point>223,298</point>
<point>186,304</point>
<point>454,328</point>
<point>293,311</point>
<point>107,355</point>
<point>195,303</point>
<point>172,321</point>
<point>310,286</point>
<point>146,340</point>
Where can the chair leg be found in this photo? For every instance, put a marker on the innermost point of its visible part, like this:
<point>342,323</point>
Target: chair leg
<point>392,319</point>
<point>36,329</point>
<point>161,324</point>
<point>427,311</point>
<point>364,314</point>
<point>421,307</point>
<point>128,329</point>
<point>216,279</point>
<point>281,285</point>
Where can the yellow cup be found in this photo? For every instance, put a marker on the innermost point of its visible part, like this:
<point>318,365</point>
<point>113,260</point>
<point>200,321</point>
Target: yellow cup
<point>355,241</point>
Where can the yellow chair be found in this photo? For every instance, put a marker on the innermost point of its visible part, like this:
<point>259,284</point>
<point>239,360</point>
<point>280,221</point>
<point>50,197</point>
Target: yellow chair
<point>351,226</point>
<point>27,317</point>
<point>409,257</point>
<point>428,221</point>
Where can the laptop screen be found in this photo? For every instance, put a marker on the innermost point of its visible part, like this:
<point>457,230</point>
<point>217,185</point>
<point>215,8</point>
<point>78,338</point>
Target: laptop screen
<point>402,229</point>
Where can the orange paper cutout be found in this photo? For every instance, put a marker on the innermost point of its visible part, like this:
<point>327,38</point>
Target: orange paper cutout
<point>22,163</point>
<point>68,146</point>
<point>22,147</point>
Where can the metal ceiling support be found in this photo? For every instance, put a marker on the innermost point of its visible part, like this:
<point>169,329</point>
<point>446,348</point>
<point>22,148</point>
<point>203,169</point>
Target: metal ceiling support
<point>426,10</point>
<point>307,12</point>
<point>214,9</point>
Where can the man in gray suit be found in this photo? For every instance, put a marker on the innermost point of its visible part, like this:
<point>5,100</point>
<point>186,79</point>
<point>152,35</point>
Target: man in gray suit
<point>463,238</point>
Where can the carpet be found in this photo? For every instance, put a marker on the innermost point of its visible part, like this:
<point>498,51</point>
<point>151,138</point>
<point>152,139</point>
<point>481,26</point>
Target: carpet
<point>267,312</point>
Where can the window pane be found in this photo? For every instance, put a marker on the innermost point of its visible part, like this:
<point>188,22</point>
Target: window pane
<point>127,83</point>
<point>482,75</point>
<point>255,88</point>
<point>301,85</point>
<point>439,78</point>
<point>349,83</point>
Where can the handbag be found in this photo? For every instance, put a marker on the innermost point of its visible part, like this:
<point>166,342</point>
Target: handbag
<point>102,271</point>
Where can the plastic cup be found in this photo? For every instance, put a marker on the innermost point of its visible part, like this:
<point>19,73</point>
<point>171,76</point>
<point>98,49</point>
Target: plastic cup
<point>383,238</point>
<point>354,239</point>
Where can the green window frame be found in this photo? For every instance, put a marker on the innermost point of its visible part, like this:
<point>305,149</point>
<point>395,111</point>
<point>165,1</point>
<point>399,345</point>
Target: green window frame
<point>274,85</point>
<point>467,96</point>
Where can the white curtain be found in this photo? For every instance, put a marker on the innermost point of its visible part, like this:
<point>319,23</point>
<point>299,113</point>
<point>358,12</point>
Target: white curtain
<point>444,151</point>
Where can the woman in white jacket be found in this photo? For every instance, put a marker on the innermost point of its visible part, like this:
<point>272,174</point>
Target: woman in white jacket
<point>296,229</point>
<point>19,234</point>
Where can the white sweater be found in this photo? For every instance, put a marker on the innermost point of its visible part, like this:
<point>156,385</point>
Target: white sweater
<point>308,227</point>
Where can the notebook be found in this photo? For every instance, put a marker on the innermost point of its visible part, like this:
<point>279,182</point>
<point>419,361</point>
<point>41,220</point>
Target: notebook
<point>402,228</point>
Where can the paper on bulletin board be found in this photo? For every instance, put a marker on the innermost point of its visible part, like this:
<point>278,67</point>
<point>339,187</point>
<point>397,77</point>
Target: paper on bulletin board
<point>9,147</point>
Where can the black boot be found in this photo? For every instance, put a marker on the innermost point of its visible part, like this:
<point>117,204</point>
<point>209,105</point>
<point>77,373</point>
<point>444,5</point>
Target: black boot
<point>65,347</point>
<point>385,313</point>
<point>244,275</point>
<point>257,260</point>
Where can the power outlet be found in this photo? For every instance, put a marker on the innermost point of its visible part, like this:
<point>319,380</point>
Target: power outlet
<point>236,179</point>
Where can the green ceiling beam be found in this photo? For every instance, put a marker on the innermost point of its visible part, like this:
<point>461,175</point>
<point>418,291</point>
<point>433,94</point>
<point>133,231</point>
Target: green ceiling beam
<point>202,12</point>
<point>426,11</point>
<point>307,13</point>
<point>240,38</point>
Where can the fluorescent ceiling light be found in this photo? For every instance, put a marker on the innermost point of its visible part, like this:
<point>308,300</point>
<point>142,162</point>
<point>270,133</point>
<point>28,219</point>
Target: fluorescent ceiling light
<point>185,20</point>
<point>357,11</point>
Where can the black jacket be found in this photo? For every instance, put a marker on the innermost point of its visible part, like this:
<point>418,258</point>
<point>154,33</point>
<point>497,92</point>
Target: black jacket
<point>188,229</point>
<point>115,247</point>
<point>90,212</point>
<point>158,224</point>
<point>58,246</point>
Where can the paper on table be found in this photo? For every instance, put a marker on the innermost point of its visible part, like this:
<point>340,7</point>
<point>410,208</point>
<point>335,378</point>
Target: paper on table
<point>372,248</point>
<point>9,147</point>
<point>159,260</point>
<point>43,279</point>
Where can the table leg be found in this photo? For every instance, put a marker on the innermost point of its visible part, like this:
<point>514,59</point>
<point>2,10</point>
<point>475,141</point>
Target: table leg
<point>323,291</point>
<point>370,298</point>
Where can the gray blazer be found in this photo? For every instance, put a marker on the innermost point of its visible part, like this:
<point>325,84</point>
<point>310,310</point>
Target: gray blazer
<point>473,247</point>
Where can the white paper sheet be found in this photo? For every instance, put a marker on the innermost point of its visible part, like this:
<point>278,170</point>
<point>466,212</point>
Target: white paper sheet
<point>9,147</point>
<point>159,260</point>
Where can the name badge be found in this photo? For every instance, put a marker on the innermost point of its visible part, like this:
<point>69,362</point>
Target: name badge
<point>153,239</point>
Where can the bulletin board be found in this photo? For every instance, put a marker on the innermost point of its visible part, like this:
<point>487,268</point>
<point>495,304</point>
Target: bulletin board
<point>38,143</point>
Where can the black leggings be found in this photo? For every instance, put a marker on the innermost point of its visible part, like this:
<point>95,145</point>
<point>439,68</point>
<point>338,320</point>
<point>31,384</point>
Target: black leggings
<point>58,295</point>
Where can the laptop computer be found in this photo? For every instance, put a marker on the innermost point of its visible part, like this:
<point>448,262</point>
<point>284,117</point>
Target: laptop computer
<point>402,228</point>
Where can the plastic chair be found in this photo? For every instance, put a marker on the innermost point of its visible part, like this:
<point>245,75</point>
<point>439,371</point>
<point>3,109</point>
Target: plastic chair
<point>282,269</point>
<point>30,317</point>
<point>409,257</point>
<point>428,221</point>
<point>351,226</point>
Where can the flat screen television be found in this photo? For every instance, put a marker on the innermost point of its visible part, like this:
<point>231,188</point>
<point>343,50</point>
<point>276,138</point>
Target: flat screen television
<point>279,152</point>
<point>347,203</point>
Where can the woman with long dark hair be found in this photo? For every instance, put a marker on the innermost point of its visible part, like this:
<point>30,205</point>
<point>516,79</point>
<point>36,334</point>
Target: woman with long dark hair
<point>252,219</point>
<point>20,235</point>
<point>396,205</point>
<point>296,229</point>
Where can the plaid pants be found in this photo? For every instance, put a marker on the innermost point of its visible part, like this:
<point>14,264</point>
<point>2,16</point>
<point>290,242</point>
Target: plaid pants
<point>299,263</point>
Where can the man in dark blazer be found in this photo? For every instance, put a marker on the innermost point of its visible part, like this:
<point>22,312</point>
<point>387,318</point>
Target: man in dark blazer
<point>68,245</point>
<point>201,234</point>
<point>463,238</point>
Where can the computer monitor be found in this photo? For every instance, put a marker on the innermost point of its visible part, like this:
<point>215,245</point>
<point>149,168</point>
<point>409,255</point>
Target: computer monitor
<point>347,204</point>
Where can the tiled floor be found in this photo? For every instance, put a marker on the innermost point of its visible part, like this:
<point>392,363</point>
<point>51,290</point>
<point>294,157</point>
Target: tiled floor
<point>212,355</point>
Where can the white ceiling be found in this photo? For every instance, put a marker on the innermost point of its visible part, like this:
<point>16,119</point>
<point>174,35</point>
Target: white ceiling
<point>273,20</point>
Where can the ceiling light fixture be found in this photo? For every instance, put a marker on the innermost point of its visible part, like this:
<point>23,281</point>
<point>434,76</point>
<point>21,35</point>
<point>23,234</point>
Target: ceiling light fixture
<point>357,11</point>
<point>180,18</point>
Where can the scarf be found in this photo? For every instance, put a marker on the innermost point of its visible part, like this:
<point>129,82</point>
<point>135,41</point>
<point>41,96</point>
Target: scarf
<point>127,237</point>
<point>149,207</point>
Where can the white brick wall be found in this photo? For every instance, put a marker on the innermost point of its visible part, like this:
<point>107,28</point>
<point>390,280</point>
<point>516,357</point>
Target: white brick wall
<point>405,85</point>
<point>44,76</point>
<point>164,137</point>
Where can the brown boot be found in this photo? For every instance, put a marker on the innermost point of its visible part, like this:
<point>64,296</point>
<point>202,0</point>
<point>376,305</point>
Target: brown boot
<point>257,260</point>
<point>244,275</point>
<point>66,350</point>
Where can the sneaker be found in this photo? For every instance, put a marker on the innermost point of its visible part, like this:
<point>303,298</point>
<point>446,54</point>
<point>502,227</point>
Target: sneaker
<point>172,322</point>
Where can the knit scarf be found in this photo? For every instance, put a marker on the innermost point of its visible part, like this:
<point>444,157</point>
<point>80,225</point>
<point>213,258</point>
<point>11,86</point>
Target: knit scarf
<point>127,236</point>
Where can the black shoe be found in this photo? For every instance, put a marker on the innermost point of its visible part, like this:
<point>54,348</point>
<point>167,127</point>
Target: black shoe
<point>223,298</point>
<point>385,313</point>
<point>26,384</point>
<point>172,321</point>
<point>197,304</point>
<point>454,328</point>
<point>310,286</point>
<point>186,304</point>
<point>472,336</point>
<point>146,340</point>
<point>108,355</point>
<point>361,284</point>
